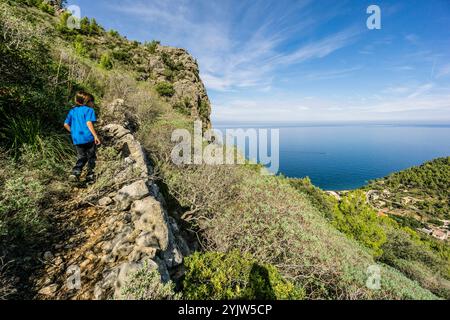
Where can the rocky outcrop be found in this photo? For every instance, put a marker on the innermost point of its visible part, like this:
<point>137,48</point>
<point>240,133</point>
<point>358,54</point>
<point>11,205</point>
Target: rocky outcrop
<point>178,67</point>
<point>127,229</point>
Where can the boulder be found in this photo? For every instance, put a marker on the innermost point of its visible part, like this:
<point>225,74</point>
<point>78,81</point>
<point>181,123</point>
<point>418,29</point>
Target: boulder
<point>149,217</point>
<point>49,290</point>
<point>115,131</point>
<point>128,194</point>
<point>125,271</point>
<point>103,202</point>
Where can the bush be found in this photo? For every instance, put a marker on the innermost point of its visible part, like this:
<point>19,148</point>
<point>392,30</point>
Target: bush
<point>114,33</point>
<point>121,55</point>
<point>145,284</point>
<point>19,209</point>
<point>80,46</point>
<point>95,28</point>
<point>170,63</point>
<point>152,46</point>
<point>165,89</point>
<point>354,217</point>
<point>204,110</point>
<point>106,62</point>
<point>405,251</point>
<point>319,199</point>
<point>63,21</point>
<point>220,276</point>
<point>47,8</point>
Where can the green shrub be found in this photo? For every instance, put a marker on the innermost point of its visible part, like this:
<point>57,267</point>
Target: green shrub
<point>184,107</point>
<point>203,110</point>
<point>220,276</point>
<point>354,217</point>
<point>407,252</point>
<point>106,61</point>
<point>114,33</point>
<point>121,55</point>
<point>80,46</point>
<point>62,24</point>
<point>95,28</point>
<point>152,46</point>
<point>47,8</point>
<point>165,89</point>
<point>172,65</point>
<point>319,199</point>
<point>169,74</point>
<point>145,284</point>
<point>20,220</point>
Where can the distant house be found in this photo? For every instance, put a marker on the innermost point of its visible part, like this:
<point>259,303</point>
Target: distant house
<point>440,234</point>
<point>426,231</point>
<point>334,194</point>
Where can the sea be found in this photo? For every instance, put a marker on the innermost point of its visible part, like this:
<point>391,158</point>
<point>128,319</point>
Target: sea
<point>347,156</point>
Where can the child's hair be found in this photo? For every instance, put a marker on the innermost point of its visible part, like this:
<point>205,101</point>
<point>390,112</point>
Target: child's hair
<point>82,98</point>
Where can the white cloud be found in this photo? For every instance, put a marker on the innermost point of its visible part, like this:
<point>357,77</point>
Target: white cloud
<point>332,74</point>
<point>412,38</point>
<point>236,53</point>
<point>444,71</point>
<point>320,48</point>
<point>421,90</point>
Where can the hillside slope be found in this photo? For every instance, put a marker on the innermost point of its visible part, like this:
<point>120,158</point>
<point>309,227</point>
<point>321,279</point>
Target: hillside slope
<point>218,208</point>
<point>421,193</point>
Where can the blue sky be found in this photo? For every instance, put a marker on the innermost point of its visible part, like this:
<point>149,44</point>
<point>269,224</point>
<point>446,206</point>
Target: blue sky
<point>303,60</point>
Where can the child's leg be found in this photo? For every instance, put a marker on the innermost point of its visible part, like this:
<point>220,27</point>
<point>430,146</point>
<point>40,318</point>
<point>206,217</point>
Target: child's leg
<point>92,158</point>
<point>82,159</point>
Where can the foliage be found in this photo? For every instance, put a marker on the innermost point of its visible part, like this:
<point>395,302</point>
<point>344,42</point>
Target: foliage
<point>203,110</point>
<point>168,61</point>
<point>319,199</point>
<point>354,217</point>
<point>33,95</point>
<point>80,46</point>
<point>220,276</point>
<point>414,256</point>
<point>19,214</point>
<point>145,284</point>
<point>165,89</point>
<point>114,33</point>
<point>106,61</point>
<point>121,55</point>
<point>152,46</point>
<point>63,22</point>
<point>47,8</point>
<point>427,183</point>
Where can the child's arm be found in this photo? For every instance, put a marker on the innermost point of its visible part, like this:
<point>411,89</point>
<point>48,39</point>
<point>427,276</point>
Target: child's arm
<point>67,126</point>
<point>94,133</point>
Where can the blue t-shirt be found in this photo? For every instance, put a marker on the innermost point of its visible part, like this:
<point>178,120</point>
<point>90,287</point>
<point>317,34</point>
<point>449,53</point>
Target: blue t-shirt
<point>77,119</point>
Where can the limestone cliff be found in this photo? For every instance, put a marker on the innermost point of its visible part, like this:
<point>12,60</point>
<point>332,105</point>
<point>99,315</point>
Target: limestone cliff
<point>177,66</point>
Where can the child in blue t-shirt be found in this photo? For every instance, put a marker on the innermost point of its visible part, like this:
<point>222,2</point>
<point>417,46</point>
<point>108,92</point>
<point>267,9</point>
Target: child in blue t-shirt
<point>80,123</point>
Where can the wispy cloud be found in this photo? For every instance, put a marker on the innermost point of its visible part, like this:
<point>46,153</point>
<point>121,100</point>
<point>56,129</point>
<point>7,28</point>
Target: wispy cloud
<point>444,71</point>
<point>240,47</point>
<point>413,38</point>
<point>271,59</point>
<point>421,90</point>
<point>332,74</point>
<point>320,48</point>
